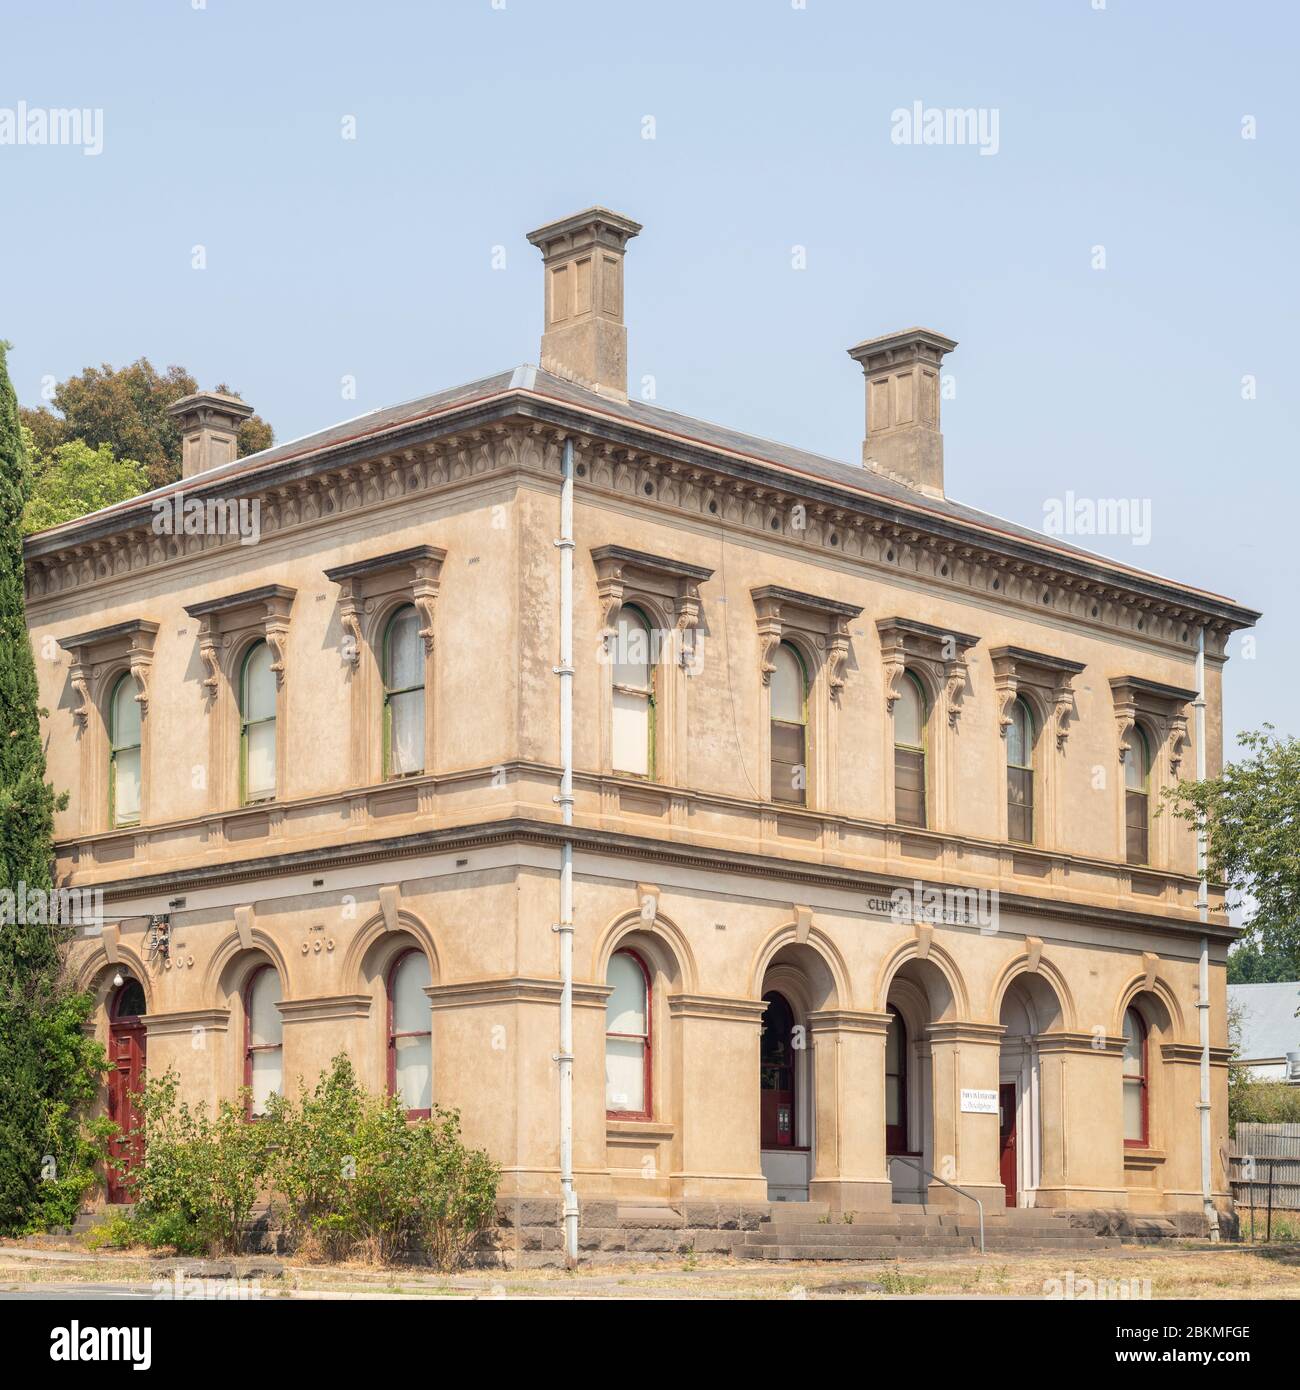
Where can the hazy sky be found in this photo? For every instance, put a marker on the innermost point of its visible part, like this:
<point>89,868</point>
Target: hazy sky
<point>375,257</point>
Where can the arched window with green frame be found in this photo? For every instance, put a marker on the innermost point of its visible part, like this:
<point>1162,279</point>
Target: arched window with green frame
<point>403,676</point>
<point>257,710</point>
<point>909,752</point>
<point>1020,773</point>
<point>789,727</point>
<point>632,738</point>
<point>1137,786</point>
<point>124,745</point>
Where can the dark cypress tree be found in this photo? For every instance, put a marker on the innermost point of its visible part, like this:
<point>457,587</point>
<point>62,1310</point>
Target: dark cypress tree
<point>48,1069</point>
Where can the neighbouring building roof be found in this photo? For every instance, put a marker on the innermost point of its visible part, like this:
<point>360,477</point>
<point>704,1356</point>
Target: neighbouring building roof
<point>1267,1019</point>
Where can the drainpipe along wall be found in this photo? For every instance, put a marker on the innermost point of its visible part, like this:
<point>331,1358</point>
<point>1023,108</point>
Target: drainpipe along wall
<point>564,927</point>
<point>1203,982</point>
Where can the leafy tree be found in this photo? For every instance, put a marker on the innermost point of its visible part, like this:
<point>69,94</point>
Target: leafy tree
<point>126,409</point>
<point>77,479</point>
<point>1249,963</point>
<point>49,1069</point>
<point>1252,814</point>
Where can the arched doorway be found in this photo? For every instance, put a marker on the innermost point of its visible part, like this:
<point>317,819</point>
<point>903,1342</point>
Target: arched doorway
<point>784,1138</point>
<point>1030,1009</point>
<point>126,1052</point>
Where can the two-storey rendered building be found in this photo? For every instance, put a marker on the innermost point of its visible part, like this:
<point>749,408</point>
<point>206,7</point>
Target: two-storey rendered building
<point>868,882</point>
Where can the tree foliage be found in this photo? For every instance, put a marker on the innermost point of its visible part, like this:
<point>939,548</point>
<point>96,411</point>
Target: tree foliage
<point>49,1069</point>
<point>1252,815</point>
<point>125,409</point>
<point>77,479</point>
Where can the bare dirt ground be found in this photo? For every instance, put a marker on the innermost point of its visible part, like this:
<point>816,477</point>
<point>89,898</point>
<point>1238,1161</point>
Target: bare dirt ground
<point>1129,1273</point>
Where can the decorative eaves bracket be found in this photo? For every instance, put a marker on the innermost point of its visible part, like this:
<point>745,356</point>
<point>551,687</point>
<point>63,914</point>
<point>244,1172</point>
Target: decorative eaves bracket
<point>938,651</point>
<point>824,621</point>
<point>417,569</point>
<point>1050,678</point>
<point>673,583</point>
<point>131,641</point>
<point>266,609</point>
<point>1162,707</point>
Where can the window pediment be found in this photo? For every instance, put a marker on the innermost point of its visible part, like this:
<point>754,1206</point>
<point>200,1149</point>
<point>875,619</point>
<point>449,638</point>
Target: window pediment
<point>623,574</point>
<point>363,584</point>
<point>130,643</point>
<point>1162,708</point>
<point>822,622</point>
<point>1050,679</point>
<point>264,611</point>
<point>938,653</point>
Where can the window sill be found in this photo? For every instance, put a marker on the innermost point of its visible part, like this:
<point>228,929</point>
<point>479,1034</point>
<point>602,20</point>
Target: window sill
<point>1142,1160</point>
<point>638,1129</point>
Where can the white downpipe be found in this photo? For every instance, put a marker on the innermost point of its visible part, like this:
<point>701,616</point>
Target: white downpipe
<point>564,927</point>
<point>1203,981</point>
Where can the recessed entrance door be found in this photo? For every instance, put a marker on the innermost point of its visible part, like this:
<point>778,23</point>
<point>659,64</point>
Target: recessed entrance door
<point>126,1051</point>
<point>1007,1138</point>
<point>776,1074</point>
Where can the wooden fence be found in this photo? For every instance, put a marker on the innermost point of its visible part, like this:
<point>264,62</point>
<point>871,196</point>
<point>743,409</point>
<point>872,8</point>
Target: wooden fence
<point>1265,1166</point>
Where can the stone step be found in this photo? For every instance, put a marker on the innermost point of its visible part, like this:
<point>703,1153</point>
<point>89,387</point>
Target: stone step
<point>878,1252</point>
<point>851,1235</point>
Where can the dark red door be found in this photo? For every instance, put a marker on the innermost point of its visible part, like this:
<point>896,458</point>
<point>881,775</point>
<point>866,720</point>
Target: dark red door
<point>776,1075</point>
<point>1007,1137</point>
<point>126,1052</point>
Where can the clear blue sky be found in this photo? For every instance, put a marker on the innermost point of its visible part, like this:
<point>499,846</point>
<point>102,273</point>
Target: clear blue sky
<point>373,257</point>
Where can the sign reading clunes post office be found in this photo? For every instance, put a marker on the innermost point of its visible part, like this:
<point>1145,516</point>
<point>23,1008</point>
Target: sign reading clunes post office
<point>979,1102</point>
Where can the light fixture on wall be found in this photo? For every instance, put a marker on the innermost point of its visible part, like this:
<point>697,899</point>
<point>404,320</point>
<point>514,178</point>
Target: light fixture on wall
<point>118,981</point>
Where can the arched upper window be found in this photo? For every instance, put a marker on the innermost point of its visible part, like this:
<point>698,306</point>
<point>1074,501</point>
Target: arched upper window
<point>410,1033</point>
<point>1135,1079</point>
<point>789,713</point>
<point>128,1002</point>
<point>124,754</point>
<point>909,752</point>
<point>633,733</point>
<point>263,1040</point>
<point>896,1084</point>
<point>627,1037</point>
<point>403,675</point>
<point>257,696</point>
<point>1020,773</point>
<point>1137,781</point>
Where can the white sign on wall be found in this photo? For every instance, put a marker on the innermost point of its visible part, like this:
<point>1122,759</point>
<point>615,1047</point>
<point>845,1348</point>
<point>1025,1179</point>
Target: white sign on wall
<point>979,1102</point>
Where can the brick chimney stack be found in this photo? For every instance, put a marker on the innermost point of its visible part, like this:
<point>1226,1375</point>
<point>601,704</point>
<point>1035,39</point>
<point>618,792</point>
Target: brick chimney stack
<point>209,425</point>
<point>584,337</point>
<point>903,436</point>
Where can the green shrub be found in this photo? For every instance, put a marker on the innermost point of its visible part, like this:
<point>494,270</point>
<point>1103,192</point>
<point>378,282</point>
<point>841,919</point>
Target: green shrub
<point>349,1174</point>
<point>1261,1102</point>
<point>200,1176</point>
<point>353,1173</point>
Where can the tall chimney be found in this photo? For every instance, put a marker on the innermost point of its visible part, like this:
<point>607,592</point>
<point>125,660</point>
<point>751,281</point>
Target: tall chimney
<point>584,338</point>
<point>209,425</point>
<point>903,436</point>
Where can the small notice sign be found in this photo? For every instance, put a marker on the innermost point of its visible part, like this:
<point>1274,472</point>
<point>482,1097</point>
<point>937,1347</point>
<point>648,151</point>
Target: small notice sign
<point>979,1102</point>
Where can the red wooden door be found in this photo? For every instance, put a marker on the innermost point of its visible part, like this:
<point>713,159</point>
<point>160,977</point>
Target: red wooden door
<point>126,1051</point>
<point>1007,1138</point>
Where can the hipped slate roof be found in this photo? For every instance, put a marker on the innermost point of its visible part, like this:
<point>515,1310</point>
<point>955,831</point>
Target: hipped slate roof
<point>531,391</point>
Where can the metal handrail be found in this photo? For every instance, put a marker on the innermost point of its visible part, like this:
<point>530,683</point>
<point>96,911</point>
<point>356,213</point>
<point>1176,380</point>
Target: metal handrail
<point>916,1162</point>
